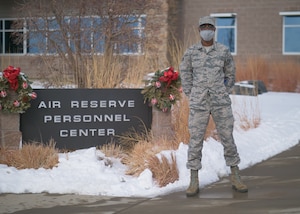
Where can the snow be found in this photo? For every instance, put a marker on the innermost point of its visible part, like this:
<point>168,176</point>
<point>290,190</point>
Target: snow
<point>89,172</point>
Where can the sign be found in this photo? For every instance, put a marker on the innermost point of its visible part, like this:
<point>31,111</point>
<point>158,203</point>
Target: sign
<point>83,118</point>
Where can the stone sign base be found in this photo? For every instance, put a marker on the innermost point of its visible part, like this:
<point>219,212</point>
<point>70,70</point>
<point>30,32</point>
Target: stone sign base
<point>161,124</point>
<point>10,135</point>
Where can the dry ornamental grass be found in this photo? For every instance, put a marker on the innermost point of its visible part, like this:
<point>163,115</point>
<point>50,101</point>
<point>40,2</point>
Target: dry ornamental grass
<point>164,172</point>
<point>34,155</point>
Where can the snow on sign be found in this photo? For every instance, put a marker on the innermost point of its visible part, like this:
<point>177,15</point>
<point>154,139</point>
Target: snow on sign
<point>83,118</point>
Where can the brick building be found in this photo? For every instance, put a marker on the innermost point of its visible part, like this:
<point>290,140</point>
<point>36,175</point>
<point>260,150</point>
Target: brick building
<point>265,28</point>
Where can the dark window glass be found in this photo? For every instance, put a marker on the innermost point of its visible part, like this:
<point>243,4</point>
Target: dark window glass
<point>10,44</point>
<point>36,43</point>
<point>291,34</point>
<point>226,32</point>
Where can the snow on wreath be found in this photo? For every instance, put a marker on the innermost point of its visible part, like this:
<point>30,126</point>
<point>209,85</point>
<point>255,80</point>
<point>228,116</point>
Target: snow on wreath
<point>164,89</point>
<point>15,91</point>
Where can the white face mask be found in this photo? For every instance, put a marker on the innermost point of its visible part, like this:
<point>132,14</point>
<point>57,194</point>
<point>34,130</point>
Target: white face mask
<point>207,35</point>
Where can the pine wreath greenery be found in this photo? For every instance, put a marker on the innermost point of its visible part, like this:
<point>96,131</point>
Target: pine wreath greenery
<point>15,91</point>
<point>164,89</point>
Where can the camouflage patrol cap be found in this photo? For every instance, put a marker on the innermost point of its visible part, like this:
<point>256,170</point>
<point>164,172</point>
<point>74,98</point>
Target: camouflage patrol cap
<point>207,20</point>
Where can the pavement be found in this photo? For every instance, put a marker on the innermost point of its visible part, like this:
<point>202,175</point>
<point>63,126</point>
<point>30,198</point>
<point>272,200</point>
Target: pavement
<point>274,188</point>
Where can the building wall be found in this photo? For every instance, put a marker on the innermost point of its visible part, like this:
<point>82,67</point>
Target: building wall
<point>7,9</point>
<point>259,25</point>
<point>155,47</point>
<point>157,33</point>
<point>259,29</point>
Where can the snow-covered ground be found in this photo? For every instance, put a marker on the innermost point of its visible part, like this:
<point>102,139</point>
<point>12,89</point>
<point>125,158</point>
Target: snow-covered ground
<point>85,172</point>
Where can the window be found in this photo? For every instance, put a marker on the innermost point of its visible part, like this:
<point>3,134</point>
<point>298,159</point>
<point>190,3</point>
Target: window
<point>131,43</point>
<point>291,33</point>
<point>226,30</point>
<point>8,37</point>
<point>45,36</point>
<point>84,34</point>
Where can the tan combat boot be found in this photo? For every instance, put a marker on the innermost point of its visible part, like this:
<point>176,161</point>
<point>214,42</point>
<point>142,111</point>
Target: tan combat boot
<point>194,184</point>
<point>237,183</point>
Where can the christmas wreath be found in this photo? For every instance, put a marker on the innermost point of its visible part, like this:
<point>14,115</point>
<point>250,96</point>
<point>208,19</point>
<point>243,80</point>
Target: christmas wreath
<point>164,89</point>
<point>15,91</point>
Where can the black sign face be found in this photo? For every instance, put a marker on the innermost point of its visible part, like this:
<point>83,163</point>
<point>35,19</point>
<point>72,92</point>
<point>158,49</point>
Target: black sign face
<point>83,118</point>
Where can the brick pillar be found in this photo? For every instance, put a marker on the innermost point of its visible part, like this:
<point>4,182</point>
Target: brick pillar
<point>10,135</point>
<point>161,124</point>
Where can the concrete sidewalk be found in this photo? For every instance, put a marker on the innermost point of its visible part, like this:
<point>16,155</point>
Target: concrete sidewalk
<point>274,187</point>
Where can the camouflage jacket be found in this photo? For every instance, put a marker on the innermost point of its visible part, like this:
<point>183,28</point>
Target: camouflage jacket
<point>206,74</point>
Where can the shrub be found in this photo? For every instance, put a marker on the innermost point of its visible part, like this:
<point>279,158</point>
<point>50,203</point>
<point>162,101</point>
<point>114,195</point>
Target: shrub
<point>163,170</point>
<point>283,76</point>
<point>34,155</point>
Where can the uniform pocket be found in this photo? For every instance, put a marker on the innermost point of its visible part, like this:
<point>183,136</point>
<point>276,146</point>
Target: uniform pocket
<point>197,98</point>
<point>221,99</point>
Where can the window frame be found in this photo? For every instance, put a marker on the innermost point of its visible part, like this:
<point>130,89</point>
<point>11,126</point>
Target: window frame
<point>139,27</point>
<point>284,27</point>
<point>3,31</point>
<point>234,27</point>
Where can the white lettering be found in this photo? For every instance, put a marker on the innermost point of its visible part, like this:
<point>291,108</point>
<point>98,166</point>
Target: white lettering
<point>86,118</point>
<point>118,117</point>
<point>86,132</point>
<point>84,104</point>
<point>93,131</point>
<point>83,132</point>
<point>101,132</point>
<point>56,104</point>
<point>47,118</point>
<point>63,133</point>
<point>74,104</point>
<point>77,118</point>
<point>110,132</point>
<point>122,104</point>
<point>67,118</point>
<point>57,119</point>
<point>50,104</point>
<point>42,105</point>
<point>112,103</point>
<point>108,118</point>
<point>103,104</point>
<point>73,133</point>
<point>131,103</point>
<point>125,118</point>
<point>96,104</point>
<point>97,118</point>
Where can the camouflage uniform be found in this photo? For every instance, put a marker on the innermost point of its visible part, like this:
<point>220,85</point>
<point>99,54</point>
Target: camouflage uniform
<point>207,77</point>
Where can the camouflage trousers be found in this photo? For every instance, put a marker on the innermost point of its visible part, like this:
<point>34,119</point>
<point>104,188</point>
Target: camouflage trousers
<point>198,121</point>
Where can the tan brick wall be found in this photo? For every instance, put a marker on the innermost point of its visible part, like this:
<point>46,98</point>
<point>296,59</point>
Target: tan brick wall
<point>259,25</point>
<point>7,9</point>
<point>161,124</point>
<point>10,136</point>
<point>157,33</point>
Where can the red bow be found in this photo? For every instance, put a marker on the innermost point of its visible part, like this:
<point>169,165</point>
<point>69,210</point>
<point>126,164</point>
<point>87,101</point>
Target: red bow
<point>11,74</point>
<point>169,76</point>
